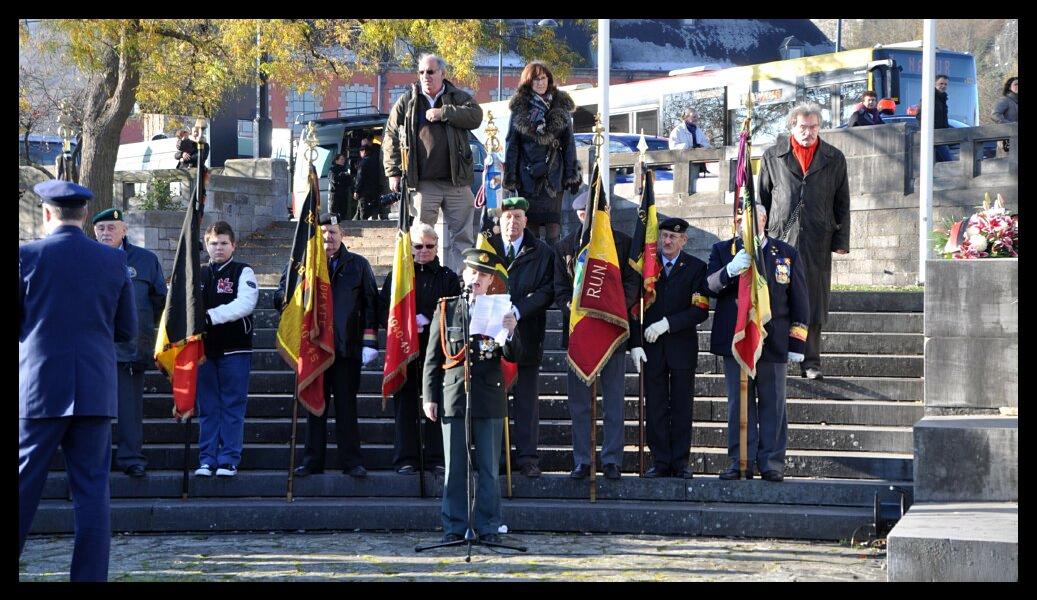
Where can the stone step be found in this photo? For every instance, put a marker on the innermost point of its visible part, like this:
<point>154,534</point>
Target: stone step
<point>798,463</point>
<point>557,432</point>
<point>606,516</point>
<point>836,388</point>
<point>705,409</point>
<point>842,343</point>
<point>389,484</point>
<point>837,365</point>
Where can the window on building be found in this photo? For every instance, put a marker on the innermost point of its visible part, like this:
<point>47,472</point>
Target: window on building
<point>506,93</point>
<point>647,121</point>
<point>355,97</point>
<point>246,133</point>
<point>298,104</point>
<point>395,92</point>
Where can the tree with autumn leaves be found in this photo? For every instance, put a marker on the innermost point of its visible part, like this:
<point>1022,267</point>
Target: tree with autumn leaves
<point>189,66</point>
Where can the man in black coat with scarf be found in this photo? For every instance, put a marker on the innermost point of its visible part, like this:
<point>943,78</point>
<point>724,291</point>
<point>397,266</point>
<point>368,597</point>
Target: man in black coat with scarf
<point>804,187</point>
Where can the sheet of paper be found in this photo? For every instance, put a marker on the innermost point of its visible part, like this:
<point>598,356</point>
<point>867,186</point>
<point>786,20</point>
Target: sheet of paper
<point>487,314</point>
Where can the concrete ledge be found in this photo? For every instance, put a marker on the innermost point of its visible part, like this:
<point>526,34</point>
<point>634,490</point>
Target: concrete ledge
<point>955,542</point>
<point>968,359</point>
<point>967,459</point>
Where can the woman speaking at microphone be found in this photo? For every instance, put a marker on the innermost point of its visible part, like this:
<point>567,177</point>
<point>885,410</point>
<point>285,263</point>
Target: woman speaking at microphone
<point>444,386</point>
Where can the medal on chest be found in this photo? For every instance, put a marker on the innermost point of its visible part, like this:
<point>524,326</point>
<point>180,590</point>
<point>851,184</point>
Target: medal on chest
<point>782,270</point>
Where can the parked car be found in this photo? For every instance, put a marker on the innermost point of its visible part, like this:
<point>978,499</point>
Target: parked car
<point>627,142</point>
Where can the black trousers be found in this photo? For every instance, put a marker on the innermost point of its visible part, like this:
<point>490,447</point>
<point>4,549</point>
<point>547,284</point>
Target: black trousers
<point>525,411</point>
<point>341,382</point>
<point>812,356</point>
<point>668,401</point>
<point>407,443</point>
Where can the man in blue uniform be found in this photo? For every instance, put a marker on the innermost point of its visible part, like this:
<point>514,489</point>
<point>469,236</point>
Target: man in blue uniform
<point>75,302</point>
<point>149,291</point>
<point>767,437</point>
<point>671,351</point>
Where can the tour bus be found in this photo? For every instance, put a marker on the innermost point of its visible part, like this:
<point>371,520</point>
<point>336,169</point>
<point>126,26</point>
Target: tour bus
<point>834,81</point>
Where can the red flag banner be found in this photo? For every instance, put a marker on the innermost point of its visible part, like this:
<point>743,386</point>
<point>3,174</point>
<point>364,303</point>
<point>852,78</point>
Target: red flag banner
<point>305,337</point>
<point>643,247</point>
<point>179,349</point>
<point>402,344</point>
<point>597,322</point>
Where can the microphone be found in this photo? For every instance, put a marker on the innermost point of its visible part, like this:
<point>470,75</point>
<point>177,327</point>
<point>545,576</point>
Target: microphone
<point>467,292</point>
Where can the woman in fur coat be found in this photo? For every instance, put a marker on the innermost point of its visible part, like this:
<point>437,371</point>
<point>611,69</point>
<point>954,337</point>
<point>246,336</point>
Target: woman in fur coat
<point>540,156</point>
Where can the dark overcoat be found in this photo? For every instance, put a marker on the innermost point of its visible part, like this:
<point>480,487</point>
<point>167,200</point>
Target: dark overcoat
<point>531,285</point>
<point>679,297</point>
<point>823,222</point>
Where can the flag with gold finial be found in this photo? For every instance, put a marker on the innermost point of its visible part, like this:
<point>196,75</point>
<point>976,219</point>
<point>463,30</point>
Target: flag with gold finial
<point>305,336</point>
<point>402,342</point>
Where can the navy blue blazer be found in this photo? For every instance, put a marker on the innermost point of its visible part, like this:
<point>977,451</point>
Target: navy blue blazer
<point>75,303</point>
<point>680,297</point>
<point>787,285</point>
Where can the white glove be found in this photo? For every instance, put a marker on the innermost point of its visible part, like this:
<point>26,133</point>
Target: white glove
<point>422,322</point>
<point>515,311</point>
<point>638,355</point>
<point>368,355</point>
<point>796,357</point>
<point>738,264</point>
<point>656,329</point>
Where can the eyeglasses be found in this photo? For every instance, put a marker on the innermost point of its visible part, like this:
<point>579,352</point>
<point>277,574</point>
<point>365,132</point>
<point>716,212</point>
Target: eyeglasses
<point>425,246</point>
<point>427,72</point>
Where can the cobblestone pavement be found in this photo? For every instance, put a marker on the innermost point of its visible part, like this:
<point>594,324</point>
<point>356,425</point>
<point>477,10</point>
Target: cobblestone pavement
<point>354,556</point>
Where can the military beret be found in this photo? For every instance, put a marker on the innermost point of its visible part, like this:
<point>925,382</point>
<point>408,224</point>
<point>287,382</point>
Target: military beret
<point>112,214</point>
<point>485,261</point>
<point>329,218</point>
<point>580,202</point>
<point>62,193</point>
<point>674,224</point>
<point>514,203</point>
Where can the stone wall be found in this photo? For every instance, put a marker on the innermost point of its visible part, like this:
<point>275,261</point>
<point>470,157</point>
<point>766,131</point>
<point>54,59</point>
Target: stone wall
<point>249,195</point>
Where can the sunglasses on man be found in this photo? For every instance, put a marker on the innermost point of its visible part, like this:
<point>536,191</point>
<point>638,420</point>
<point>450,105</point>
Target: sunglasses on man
<point>425,246</point>
<point>427,72</point>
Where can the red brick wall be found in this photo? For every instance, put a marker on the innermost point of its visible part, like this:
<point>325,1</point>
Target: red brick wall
<point>132,132</point>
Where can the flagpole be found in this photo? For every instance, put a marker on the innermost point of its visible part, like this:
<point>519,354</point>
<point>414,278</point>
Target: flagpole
<point>187,450</point>
<point>594,425</point>
<point>641,395</point>
<point>310,155</point>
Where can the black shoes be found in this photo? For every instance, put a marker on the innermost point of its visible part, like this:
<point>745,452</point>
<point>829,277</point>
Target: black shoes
<point>492,538</point>
<point>655,472</point>
<point>684,473</point>
<point>451,537</point>
<point>731,473</point>
<point>772,476</point>
<point>407,470</point>
<point>306,470</point>
<point>611,471</point>
<point>135,470</point>
<point>357,471</point>
<point>533,471</point>
<point>580,472</point>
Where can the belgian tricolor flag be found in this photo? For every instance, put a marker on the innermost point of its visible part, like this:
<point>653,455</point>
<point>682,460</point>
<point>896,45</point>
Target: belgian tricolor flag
<point>402,343</point>
<point>644,257</point>
<point>598,322</point>
<point>179,349</point>
<point>305,336</point>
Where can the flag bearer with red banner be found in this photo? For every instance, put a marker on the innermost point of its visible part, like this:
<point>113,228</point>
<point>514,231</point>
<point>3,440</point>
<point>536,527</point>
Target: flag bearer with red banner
<point>758,326</point>
<point>611,375</point>
<point>670,351</point>
<point>415,443</point>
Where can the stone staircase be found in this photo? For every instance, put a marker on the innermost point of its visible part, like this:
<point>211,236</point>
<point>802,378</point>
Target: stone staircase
<point>850,440</point>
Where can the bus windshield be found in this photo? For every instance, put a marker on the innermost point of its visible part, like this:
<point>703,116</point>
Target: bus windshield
<point>962,100</point>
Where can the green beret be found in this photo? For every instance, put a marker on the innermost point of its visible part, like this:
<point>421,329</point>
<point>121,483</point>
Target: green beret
<point>111,214</point>
<point>514,203</point>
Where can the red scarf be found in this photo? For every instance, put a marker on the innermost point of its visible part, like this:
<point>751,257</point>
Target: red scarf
<point>804,155</point>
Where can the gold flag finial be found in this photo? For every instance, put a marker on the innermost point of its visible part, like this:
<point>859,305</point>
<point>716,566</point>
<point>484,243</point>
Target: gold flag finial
<point>599,139</point>
<point>492,143</point>
<point>310,139</point>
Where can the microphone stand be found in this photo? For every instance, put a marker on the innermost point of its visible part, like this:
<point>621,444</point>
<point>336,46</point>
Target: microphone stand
<point>470,537</point>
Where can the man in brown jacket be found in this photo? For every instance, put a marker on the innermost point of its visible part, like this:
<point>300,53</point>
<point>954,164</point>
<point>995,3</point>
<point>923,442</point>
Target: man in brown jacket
<point>432,121</point>
<point>806,192</point>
